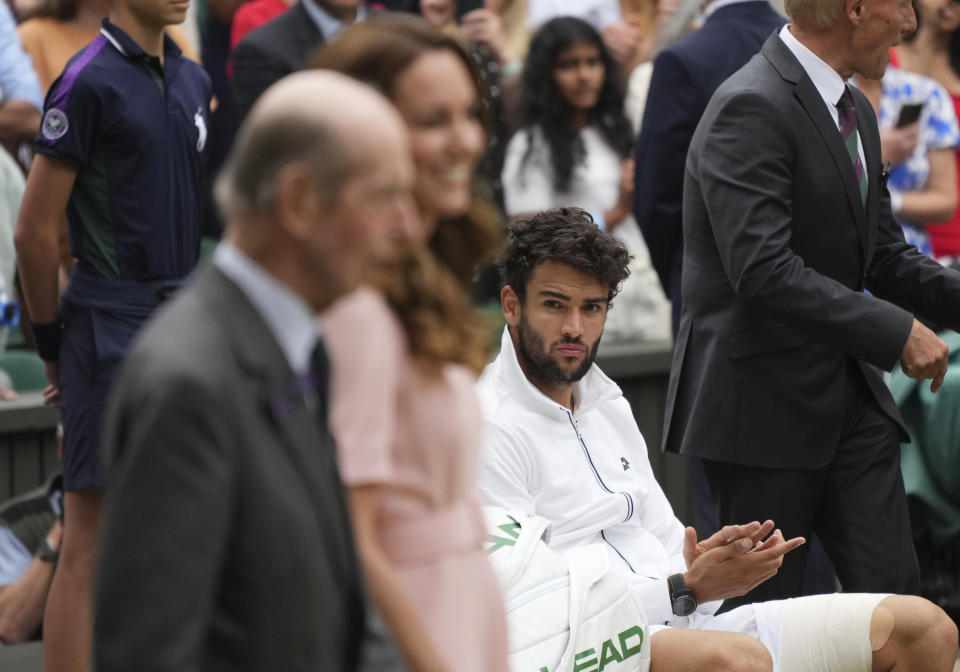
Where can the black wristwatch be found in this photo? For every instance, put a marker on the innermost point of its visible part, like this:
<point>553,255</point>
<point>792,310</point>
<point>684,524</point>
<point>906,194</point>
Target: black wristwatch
<point>47,552</point>
<point>682,599</point>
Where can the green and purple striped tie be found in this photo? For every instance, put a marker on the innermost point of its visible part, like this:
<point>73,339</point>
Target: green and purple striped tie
<point>848,131</point>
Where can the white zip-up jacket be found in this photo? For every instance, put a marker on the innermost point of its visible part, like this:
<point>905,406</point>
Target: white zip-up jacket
<point>585,471</point>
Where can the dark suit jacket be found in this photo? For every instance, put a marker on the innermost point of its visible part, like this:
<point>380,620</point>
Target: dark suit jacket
<point>276,49</point>
<point>777,252</point>
<point>685,76</point>
<point>226,544</point>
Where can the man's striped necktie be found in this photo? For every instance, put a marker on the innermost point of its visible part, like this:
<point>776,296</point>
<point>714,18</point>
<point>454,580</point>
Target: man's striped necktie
<point>848,131</point>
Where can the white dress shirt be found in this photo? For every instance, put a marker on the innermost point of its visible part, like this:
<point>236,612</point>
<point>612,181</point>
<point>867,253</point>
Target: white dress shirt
<point>329,25</point>
<point>293,324</point>
<point>828,82</point>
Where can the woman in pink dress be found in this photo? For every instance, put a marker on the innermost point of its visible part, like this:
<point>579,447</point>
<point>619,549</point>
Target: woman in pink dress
<point>405,351</point>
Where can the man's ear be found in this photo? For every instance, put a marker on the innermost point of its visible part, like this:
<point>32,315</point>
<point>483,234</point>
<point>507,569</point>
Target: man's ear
<point>296,201</point>
<point>854,10</point>
<point>510,303</point>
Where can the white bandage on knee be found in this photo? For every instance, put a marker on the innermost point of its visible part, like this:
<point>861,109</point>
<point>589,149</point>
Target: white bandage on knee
<point>828,633</point>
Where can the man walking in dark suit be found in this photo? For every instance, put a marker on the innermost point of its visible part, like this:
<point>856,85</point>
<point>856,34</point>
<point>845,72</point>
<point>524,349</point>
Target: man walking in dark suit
<point>786,221</point>
<point>286,44</point>
<point>685,75</point>
<point>227,544</point>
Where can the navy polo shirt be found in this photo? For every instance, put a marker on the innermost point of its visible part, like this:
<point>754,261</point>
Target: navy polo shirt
<point>135,131</point>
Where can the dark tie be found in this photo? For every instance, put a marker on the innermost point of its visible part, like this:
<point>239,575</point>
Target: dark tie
<point>310,388</point>
<point>320,379</point>
<point>848,131</point>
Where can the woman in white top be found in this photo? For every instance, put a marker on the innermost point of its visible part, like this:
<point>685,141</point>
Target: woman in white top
<point>574,151</point>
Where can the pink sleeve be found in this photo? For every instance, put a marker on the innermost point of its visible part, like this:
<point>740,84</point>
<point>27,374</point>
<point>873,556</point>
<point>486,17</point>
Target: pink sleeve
<point>366,348</point>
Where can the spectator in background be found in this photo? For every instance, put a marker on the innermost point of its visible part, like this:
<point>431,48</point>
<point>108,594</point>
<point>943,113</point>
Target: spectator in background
<point>253,14</point>
<point>513,14</point>
<point>598,13</point>
<point>673,19</point>
<point>20,96</point>
<point>405,352</point>
<point>287,44</point>
<point>923,176</point>
<point>574,150</point>
<point>52,37</point>
<point>12,185</point>
<point>685,75</point>
<point>934,51</point>
<point>121,151</point>
<point>30,536</point>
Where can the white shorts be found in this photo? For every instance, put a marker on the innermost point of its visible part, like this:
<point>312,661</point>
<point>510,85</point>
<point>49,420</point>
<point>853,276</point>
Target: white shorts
<point>827,633</point>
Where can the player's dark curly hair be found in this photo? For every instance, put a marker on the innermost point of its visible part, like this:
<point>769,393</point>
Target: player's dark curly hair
<point>568,236</point>
<point>545,107</point>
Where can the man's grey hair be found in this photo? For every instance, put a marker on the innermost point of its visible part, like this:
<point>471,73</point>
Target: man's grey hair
<point>814,13</point>
<point>263,148</point>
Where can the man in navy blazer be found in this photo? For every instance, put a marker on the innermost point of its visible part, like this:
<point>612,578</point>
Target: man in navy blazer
<point>685,75</point>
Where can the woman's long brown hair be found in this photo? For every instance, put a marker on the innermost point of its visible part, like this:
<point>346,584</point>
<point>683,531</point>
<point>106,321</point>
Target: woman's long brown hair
<point>428,288</point>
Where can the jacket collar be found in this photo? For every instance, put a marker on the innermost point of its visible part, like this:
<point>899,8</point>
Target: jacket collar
<point>790,69</point>
<point>130,49</point>
<point>593,389</point>
<point>293,323</point>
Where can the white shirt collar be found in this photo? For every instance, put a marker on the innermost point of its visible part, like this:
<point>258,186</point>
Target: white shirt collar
<point>720,4</point>
<point>827,81</point>
<point>593,389</point>
<point>289,318</point>
<point>329,25</point>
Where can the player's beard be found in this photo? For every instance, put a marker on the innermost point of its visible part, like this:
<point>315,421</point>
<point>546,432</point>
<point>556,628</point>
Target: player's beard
<point>542,367</point>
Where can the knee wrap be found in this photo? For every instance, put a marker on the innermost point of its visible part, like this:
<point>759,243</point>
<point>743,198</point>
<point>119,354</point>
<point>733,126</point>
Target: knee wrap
<point>832,633</point>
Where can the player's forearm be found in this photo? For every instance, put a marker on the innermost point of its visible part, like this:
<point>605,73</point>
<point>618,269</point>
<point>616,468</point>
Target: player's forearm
<point>19,121</point>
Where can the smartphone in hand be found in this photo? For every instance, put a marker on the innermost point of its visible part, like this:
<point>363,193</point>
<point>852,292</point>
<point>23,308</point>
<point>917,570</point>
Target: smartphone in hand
<point>909,114</point>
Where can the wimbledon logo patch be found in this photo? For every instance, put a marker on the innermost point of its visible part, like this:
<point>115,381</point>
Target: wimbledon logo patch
<point>55,124</point>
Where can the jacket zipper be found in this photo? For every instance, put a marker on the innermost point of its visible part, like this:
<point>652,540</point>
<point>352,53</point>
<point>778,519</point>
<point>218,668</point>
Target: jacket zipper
<point>586,451</point>
<point>596,473</point>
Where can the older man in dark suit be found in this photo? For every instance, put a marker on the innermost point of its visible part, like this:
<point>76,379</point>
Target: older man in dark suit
<point>227,543</point>
<point>786,221</point>
<point>286,44</point>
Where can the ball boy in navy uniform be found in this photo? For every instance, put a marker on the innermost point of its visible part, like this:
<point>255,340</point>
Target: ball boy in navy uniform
<point>121,150</point>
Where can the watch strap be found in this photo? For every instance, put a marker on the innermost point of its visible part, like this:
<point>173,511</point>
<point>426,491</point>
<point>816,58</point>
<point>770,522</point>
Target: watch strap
<point>682,600</point>
<point>47,552</point>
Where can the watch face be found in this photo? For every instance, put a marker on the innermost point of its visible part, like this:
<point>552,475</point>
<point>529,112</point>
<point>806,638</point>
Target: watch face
<point>684,605</point>
<point>47,552</point>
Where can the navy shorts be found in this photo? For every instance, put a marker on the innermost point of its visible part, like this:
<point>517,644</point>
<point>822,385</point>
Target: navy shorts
<point>92,347</point>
